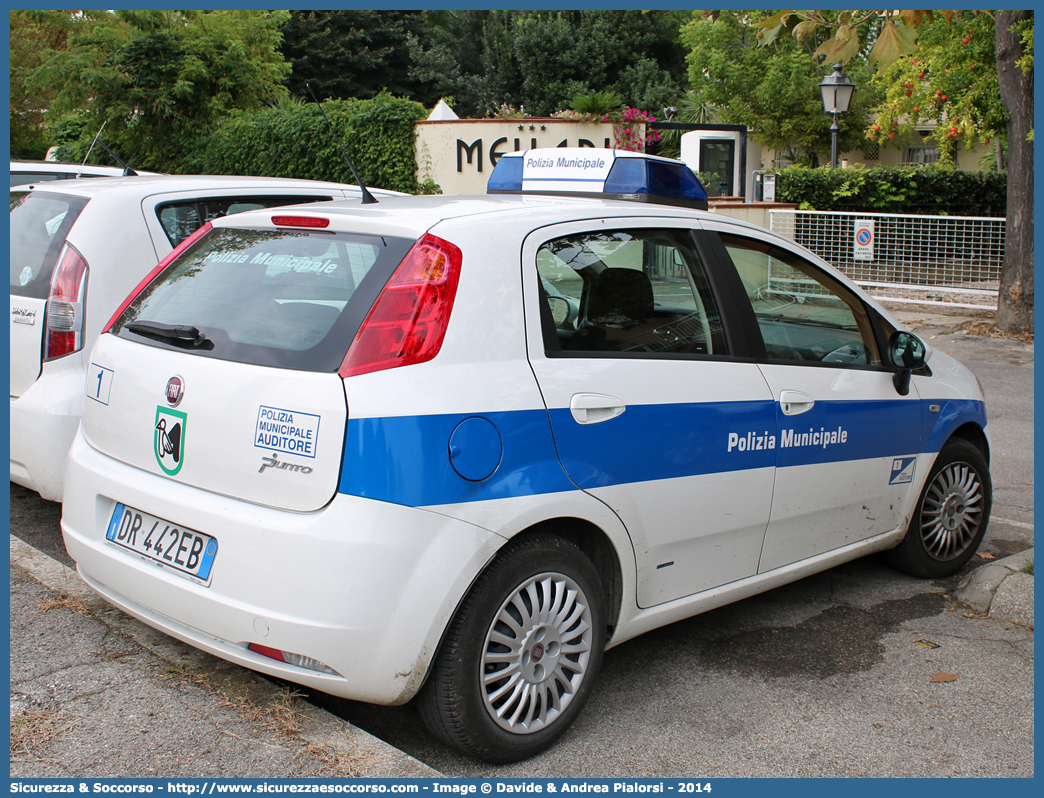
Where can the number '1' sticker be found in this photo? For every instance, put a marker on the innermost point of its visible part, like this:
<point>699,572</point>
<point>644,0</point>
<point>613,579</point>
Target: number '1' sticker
<point>99,383</point>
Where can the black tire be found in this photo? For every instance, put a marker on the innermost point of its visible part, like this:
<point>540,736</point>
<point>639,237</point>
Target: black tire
<point>550,663</point>
<point>951,516</point>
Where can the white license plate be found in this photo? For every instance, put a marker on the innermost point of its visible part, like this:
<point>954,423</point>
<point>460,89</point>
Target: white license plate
<point>183,551</point>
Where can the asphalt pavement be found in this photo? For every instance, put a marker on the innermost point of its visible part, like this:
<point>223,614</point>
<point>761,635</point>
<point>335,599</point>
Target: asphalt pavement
<point>820,678</point>
<point>95,693</point>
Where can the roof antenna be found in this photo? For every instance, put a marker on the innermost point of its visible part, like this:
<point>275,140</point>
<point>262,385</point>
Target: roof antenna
<point>91,149</point>
<point>127,171</point>
<point>279,151</point>
<point>367,197</point>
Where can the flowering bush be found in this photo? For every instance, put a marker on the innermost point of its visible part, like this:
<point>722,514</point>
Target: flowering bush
<point>627,122</point>
<point>627,129</point>
<point>506,111</point>
<point>574,116</point>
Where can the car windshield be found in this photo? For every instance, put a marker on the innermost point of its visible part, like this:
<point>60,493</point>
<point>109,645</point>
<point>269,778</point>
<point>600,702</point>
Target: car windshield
<point>286,298</point>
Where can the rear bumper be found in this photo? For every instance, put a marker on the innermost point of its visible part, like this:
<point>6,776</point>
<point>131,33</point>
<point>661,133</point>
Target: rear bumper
<point>44,420</point>
<point>364,587</point>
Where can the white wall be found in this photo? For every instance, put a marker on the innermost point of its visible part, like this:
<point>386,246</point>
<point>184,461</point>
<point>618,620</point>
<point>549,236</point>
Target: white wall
<point>690,153</point>
<point>460,154</point>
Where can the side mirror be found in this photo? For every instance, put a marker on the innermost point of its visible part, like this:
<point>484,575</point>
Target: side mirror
<point>906,353</point>
<point>559,309</point>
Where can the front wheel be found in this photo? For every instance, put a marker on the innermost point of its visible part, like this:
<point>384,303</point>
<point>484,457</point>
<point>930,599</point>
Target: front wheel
<point>518,660</point>
<point>951,516</point>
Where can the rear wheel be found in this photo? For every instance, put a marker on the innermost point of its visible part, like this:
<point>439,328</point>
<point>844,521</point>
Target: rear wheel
<point>951,516</point>
<point>519,659</point>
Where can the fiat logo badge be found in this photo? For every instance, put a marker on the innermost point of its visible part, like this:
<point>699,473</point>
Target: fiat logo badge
<point>175,391</point>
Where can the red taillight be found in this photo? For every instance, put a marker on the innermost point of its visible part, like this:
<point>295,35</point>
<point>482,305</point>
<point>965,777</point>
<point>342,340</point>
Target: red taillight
<point>65,306</point>
<point>265,651</point>
<point>163,264</point>
<point>409,319</point>
<point>300,221</point>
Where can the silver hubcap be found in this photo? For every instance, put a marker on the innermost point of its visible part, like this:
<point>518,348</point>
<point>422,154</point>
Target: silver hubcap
<point>951,511</point>
<point>536,653</point>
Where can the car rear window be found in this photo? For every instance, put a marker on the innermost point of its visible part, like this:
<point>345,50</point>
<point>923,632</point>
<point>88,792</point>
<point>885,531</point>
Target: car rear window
<point>23,178</point>
<point>181,219</point>
<point>40,223</point>
<point>286,298</point>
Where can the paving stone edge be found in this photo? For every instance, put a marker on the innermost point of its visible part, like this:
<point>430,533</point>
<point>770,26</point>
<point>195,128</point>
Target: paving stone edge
<point>999,590</point>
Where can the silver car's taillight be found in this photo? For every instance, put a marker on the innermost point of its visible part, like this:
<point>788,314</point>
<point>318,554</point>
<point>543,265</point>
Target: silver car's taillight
<point>65,306</point>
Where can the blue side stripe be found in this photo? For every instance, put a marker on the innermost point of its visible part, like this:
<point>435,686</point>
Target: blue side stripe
<point>406,460</point>
<point>882,428</point>
<point>952,414</point>
<point>661,442</point>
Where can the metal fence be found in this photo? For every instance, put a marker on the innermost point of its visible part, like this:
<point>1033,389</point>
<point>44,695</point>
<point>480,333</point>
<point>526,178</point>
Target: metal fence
<point>948,260</point>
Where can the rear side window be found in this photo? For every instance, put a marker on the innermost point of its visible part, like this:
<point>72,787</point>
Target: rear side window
<point>287,298</point>
<point>181,219</point>
<point>633,292</point>
<point>40,223</point>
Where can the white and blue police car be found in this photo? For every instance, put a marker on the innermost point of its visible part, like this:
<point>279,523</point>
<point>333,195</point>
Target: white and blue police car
<point>455,447</point>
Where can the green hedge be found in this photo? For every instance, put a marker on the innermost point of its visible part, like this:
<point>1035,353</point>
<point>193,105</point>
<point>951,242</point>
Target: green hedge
<point>295,141</point>
<point>921,190</point>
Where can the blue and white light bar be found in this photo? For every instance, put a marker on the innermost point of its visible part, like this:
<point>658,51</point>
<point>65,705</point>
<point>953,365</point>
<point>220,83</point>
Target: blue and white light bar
<point>587,171</point>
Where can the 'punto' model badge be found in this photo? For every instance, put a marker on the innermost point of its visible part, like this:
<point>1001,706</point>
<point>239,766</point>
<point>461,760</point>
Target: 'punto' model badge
<point>175,391</point>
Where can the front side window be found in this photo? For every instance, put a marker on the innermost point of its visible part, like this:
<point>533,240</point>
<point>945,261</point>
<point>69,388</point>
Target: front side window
<point>181,219</point>
<point>804,314</point>
<point>287,298</point>
<point>638,292</point>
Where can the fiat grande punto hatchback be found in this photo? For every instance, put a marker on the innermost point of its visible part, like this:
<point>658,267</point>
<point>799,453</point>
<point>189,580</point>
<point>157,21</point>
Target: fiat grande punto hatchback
<point>453,448</point>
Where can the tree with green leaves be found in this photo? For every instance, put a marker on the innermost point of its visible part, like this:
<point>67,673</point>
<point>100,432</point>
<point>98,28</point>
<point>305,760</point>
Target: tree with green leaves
<point>542,59</point>
<point>33,36</point>
<point>948,82</point>
<point>447,56</point>
<point>951,84</point>
<point>158,80</point>
<point>562,54</point>
<point>1014,41</point>
<point>770,84</point>
<point>356,54</point>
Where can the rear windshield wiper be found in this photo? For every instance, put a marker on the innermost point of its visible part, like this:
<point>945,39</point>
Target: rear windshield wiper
<point>178,334</point>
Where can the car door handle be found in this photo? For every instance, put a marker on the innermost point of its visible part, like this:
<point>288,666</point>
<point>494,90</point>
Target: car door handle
<point>794,403</point>
<point>594,408</point>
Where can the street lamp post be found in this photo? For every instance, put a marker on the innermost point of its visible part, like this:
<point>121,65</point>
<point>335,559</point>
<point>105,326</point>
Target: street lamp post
<point>837,91</point>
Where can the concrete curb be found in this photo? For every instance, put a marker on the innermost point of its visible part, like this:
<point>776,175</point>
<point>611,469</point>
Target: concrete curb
<point>1001,590</point>
<point>320,730</point>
